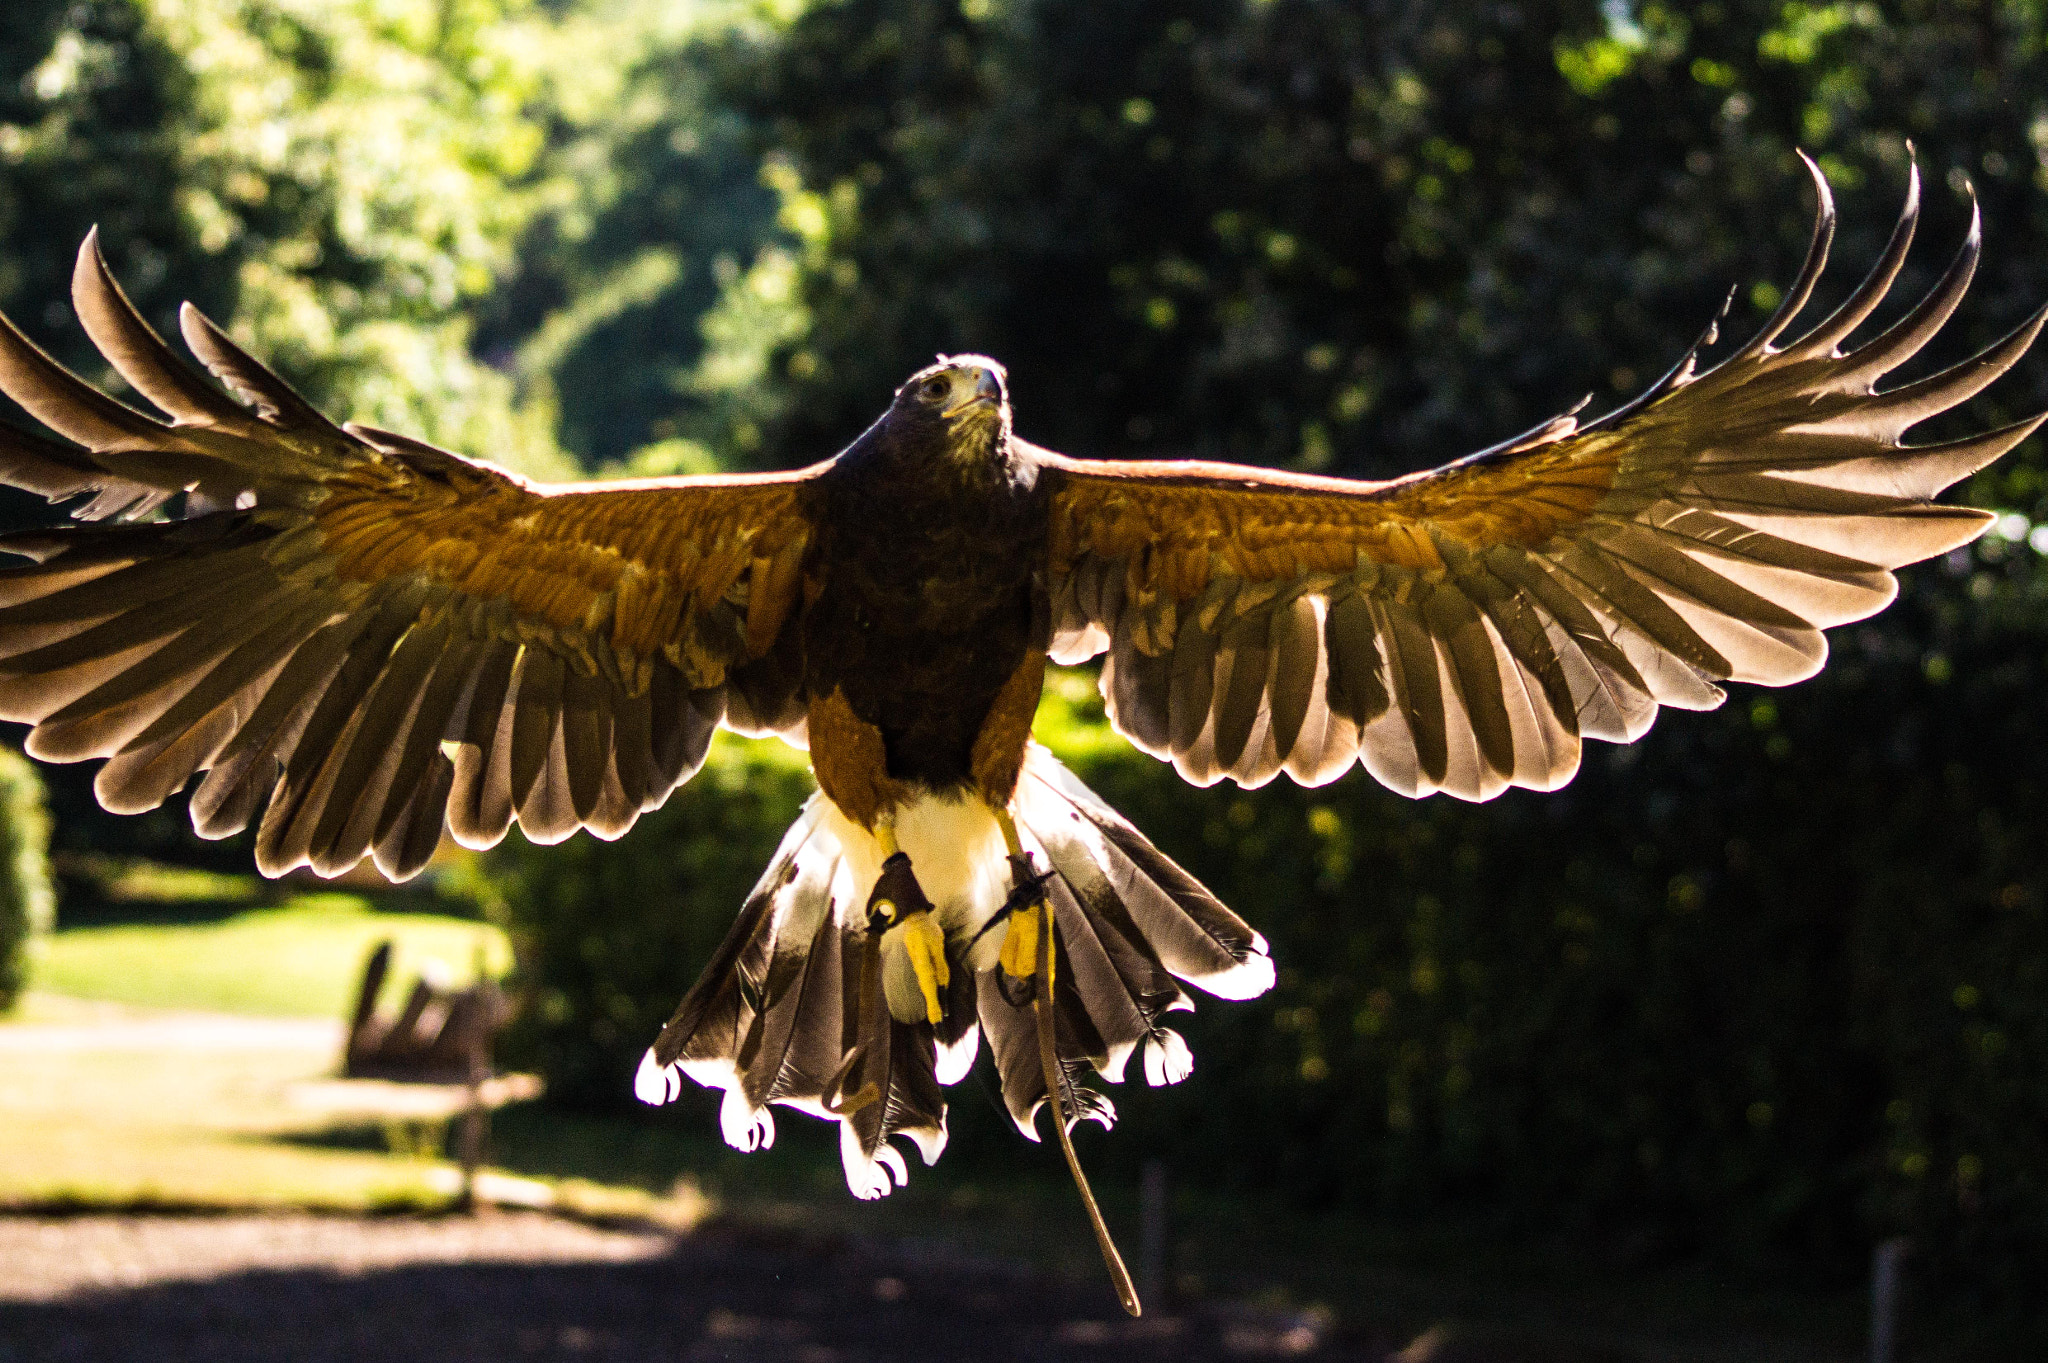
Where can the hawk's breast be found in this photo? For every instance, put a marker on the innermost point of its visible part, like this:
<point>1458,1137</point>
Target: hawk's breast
<point>930,597</point>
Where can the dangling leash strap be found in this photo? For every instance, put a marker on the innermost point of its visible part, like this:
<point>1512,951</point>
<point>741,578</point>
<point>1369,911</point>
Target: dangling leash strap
<point>1048,1060</point>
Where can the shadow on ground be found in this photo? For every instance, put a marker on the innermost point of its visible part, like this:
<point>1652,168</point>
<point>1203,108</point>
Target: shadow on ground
<point>718,1294</point>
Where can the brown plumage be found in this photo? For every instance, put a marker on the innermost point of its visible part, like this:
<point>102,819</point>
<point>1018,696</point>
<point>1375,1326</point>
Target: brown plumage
<point>359,641</point>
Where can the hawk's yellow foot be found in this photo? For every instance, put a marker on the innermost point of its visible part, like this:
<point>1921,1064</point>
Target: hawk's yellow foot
<point>1019,956</point>
<point>926,942</point>
<point>899,907</point>
<point>1020,943</point>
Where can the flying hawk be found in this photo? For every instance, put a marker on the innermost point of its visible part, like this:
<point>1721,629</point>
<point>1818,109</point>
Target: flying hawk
<point>361,640</point>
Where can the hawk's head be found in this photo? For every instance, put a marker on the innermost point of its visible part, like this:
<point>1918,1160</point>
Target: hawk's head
<point>960,406</point>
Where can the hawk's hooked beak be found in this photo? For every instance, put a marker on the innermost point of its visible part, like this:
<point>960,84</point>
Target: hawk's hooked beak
<point>988,392</point>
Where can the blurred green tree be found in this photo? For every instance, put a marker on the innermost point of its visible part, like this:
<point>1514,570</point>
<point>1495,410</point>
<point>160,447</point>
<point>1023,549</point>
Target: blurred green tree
<point>342,182</point>
<point>652,277</point>
<point>28,902</point>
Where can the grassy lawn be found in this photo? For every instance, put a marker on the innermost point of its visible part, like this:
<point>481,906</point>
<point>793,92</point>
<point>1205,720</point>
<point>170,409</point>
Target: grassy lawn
<point>136,1124</point>
<point>301,959</point>
<point>108,1098</point>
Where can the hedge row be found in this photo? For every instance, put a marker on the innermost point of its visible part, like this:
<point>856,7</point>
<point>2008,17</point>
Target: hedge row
<point>1769,983</point>
<point>609,935</point>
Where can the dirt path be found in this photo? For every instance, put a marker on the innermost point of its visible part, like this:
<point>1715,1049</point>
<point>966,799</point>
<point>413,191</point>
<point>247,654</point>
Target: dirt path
<point>293,1287</point>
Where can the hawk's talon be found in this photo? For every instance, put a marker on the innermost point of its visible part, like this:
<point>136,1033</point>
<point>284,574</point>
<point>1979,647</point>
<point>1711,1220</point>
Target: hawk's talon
<point>1015,992</point>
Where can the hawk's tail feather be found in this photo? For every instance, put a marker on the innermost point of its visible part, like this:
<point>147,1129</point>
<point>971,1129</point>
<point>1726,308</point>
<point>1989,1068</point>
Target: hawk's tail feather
<point>778,1014</point>
<point>1133,926</point>
<point>789,1009</point>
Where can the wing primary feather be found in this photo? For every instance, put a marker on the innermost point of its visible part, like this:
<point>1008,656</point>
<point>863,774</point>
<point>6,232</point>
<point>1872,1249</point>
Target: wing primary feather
<point>234,681</point>
<point>480,798</point>
<point>249,379</point>
<point>632,746</point>
<point>138,354</point>
<point>143,776</point>
<point>1191,685</point>
<point>151,622</point>
<point>1243,664</point>
<point>586,739</point>
<point>1900,342</point>
<point>1537,738</point>
<point>1762,640</point>
<point>113,713</point>
<point>1918,472</point>
<point>1816,261</point>
<point>1515,617</point>
<point>53,471</point>
<point>420,755</point>
<point>548,813</point>
<point>1357,684</point>
<point>1138,689</point>
<point>1295,647</point>
<point>404,851</point>
<point>1641,609</point>
<point>283,838</point>
<point>1888,414</point>
<point>1328,742</point>
<point>1619,705</point>
<point>125,588</point>
<point>537,710</point>
<point>1858,306</point>
<point>203,619</point>
<point>68,404</point>
<point>682,721</point>
<point>247,769</point>
<point>1643,550</point>
<point>347,823</point>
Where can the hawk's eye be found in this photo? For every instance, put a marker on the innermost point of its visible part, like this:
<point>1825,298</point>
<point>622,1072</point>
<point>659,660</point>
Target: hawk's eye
<point>934,389</point>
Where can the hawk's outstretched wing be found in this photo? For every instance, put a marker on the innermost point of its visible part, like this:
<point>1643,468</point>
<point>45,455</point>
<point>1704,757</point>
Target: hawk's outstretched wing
<point>1464,629</point>
<point>364,631</point>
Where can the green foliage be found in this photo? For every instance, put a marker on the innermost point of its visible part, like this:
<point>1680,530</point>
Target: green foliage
<point>341,180</point>
<point>651,279</point>
<point>608,936</point>
<point>1366,237</point>
<point>27,901</point>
